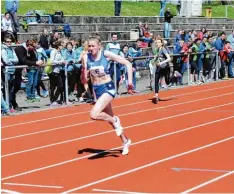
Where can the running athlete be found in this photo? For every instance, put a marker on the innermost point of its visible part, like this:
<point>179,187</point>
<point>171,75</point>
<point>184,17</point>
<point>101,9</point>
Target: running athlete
<point>96,65</point>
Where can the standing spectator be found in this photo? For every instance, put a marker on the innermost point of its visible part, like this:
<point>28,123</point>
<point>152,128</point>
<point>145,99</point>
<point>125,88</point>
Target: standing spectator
<point>27,56</point>
<point>118,7</point>
<point>134,51</point>
<point>44,42</point>
<point>178,7</point>
<point>41,55</point>
<point>163,5</point>
<point>12,7</point>
<point>78,72</point>
<point>167,23</point>
<point>230,38</point>
<point>194,62</point>
<point>4,107</point>
<point>9,58</point>
<point>115,48</point>
<point>56,81</point>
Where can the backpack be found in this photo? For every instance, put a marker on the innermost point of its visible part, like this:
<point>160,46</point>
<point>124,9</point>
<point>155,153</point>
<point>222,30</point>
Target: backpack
<point>67,30</point>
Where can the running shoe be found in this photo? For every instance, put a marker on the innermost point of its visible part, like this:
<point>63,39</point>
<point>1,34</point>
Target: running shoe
<point>126,147</point>
<point>117,126</point>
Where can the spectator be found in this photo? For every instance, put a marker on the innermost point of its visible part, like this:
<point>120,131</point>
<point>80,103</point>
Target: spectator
<point>219,43</point>
<point>117,7</point>
<point>7,28</point>
<point>9,58</point>
<point>115,48</point>
<point>162,9</point>
<point>27,56</point>
<point>4,107</point>
<point>178,7</point>
<point>194,62</point>
<point>12,7</point>
<point>56,82</point>
<point>230,38</point>
<point>54,37</point>
<point>167,23</point>
<point>44,42</point>
<point>78,72</point>
<point>134,51</point>
<point>41,55</point>
<point>141,30</point>
<point>226,56</point>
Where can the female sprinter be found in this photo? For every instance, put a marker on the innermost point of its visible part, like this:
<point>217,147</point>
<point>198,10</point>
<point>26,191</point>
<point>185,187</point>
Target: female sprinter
<point>162,67</point>
<point>96,65</point>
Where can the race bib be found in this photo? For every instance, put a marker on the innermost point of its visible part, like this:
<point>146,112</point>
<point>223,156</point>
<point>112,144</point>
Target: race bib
<point>97,71</point>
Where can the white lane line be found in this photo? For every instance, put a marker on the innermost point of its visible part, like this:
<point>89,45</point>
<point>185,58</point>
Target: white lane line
<point>31,185</point>
<point>9,191</point>
<point>208,182</point>
<point>115,191</point>
<point>102,133</point>
<point>147,165</point>
<point>130,113</point>
<point>67,115</point>
<point>90,155</point>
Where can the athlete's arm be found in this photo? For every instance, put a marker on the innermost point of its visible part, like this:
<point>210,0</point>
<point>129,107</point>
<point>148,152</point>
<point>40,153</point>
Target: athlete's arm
<point>113,57</point>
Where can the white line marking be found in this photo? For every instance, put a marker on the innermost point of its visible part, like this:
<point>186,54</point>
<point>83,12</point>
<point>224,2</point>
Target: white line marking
<point>67,115</point>
<point>148,165</point>
<point>135,112</point>
<point>90,155</point>
<point>114,191</point>
<point>208,182</point>
<point>105,132</point>
<point>30,185</point>
<point>9,191</point>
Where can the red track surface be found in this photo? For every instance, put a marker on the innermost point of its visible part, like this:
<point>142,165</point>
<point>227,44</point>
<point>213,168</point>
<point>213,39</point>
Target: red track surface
<point>56,150</point>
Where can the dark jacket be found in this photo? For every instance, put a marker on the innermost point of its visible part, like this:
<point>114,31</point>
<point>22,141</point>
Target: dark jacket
<point>26,57</point>
<point>167,16</point>
<point>44,42</point>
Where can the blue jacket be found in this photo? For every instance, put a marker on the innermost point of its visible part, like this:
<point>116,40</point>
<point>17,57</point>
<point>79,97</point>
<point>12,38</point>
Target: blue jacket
<point>9,57</point>
<point>12,5</point>
<point>219,44</point>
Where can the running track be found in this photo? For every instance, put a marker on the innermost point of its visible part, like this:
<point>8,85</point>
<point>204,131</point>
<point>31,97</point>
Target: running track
<point>62,150</point>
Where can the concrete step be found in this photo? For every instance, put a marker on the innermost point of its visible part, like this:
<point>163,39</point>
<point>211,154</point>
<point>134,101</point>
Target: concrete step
<point>123,26</point>
<point>105,35</point>
<point>135,19</point>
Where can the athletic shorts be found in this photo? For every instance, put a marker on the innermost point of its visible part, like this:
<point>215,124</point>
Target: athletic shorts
<point>108,88</point>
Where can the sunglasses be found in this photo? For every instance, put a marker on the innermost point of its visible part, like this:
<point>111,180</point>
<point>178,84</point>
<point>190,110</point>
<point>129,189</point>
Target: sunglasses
<point>8,41</point>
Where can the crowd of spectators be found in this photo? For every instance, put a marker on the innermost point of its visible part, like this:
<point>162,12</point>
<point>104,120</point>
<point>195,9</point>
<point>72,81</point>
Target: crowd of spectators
<point>50,55</point>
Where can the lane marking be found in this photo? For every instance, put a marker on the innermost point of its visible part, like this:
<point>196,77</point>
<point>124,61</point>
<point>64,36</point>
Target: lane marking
<point>208,182</point>
<point>9,191</point>
<point>90,155</point>
<point>31,185</point>
<point>114,191</point>
<point>67,115</point>
<point>199,170</point>
<point>125,114</point>
<point>148,165</point>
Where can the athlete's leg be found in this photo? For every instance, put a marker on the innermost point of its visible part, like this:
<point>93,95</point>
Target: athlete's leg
<point>108,110</point>
<point>102,110</point>
<point>97,112</point>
